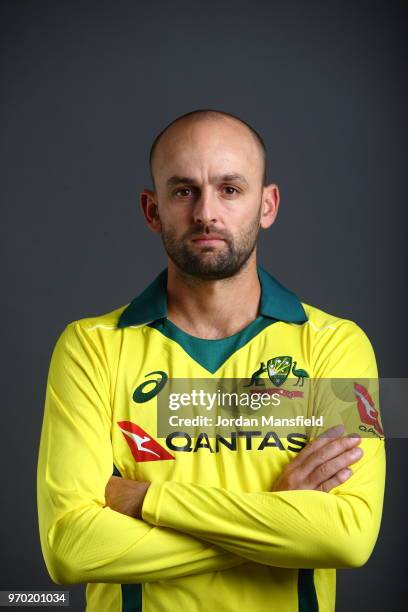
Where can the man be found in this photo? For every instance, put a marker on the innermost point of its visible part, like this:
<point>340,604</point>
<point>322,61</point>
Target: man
<point>195,523</point>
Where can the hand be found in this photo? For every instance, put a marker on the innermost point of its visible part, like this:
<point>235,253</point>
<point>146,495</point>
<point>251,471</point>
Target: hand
<point>126,496</point>
<point>322,464</point>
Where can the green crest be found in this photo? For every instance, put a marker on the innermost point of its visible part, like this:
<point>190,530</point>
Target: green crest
<point>279,369</point>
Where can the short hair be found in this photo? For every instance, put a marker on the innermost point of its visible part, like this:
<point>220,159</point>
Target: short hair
<point>210,113</point>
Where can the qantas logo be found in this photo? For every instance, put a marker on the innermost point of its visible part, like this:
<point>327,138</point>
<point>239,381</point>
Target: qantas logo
<point>141,444</point>
<point>368,412</point>
<point>145,448</point>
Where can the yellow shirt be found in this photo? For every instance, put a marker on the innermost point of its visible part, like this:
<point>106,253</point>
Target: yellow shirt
<point>213,535</point>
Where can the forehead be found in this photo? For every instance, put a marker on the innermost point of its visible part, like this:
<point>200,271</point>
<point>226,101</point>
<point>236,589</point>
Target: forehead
<point>219,146</point>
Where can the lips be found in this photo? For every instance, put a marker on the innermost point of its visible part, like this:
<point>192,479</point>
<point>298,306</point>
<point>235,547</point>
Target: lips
<point>208,239</point>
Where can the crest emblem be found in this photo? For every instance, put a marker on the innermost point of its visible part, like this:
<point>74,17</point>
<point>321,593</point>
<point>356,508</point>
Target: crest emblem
<point>279,369</point>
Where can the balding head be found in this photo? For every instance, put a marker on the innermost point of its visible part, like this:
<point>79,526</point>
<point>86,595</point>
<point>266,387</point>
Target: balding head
<point>179,128</point>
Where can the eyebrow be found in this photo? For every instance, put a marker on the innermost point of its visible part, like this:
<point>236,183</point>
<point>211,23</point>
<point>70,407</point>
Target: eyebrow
<point>176,180</point>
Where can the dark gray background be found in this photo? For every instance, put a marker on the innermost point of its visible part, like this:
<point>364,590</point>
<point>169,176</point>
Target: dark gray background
<point>86,86</point>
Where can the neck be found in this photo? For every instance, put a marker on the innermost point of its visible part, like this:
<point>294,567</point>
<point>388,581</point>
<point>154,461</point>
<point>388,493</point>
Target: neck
<point>213,309</point>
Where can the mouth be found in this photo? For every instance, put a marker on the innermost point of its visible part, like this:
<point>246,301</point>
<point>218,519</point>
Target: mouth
<point>208,240</point>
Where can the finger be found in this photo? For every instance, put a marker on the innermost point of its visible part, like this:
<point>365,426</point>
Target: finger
<point>328,469</point>
<point>335,481</point>
<point>332,432</point>
<point>321,455</point>
<point>322,440</point>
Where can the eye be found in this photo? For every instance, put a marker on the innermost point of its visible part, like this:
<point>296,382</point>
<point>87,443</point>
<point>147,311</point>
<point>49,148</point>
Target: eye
<point>180,190</point>
<point>230,187</point>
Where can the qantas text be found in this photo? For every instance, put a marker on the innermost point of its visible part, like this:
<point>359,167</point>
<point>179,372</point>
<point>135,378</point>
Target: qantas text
<point>180,441</point>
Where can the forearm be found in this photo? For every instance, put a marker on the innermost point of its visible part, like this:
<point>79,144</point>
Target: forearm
<point>283,529</point>
<point>95,544</point>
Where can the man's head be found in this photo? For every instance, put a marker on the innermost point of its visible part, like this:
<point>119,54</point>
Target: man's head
<point>209,173</point>
<point>216,116</point>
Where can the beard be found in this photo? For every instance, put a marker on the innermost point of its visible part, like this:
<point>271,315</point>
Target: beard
<point>211,263</point>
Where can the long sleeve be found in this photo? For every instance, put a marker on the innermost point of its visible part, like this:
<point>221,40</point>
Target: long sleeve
<point>301,528</point>
<point>81,539</point>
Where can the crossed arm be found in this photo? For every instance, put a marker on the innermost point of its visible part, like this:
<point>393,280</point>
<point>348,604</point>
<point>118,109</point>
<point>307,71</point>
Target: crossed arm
<point>297,524</point>
<point>85,540</point>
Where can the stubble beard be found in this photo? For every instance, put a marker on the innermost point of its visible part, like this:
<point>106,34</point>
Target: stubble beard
<point>212,263</point>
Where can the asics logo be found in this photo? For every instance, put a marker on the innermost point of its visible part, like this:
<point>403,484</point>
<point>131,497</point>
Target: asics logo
<point>140,395</point>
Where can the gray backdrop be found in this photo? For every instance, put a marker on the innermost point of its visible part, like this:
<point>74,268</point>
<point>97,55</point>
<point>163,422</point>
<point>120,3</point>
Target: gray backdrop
<point>86,86</point>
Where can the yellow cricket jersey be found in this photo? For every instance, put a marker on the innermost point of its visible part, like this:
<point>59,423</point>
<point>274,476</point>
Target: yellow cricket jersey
<point>213,535</point>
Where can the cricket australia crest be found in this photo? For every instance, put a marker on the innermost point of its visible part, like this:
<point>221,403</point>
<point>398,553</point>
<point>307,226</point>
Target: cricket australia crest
<point>279,369</point>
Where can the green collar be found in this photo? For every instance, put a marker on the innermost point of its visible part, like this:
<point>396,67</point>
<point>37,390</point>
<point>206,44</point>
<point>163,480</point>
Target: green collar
<point>277,302</point>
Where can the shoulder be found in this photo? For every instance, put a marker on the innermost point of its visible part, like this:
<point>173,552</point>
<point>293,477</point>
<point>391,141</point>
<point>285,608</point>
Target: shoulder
<point>94,325</point>
<point>107,321</point>
<point>91,344</point>
<point>322,323</point>
<point>336,342</point>
<point>98,331</point>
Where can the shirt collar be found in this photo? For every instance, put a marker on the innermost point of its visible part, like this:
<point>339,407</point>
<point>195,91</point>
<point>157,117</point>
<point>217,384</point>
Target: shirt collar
<point>277,302</point>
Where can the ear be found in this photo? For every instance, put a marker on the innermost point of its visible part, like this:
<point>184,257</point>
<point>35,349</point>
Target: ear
<point>270,205</point>
<point>150,210</point>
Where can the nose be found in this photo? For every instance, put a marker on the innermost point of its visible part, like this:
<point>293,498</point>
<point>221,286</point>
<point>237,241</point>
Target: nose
<point>205,209</point>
